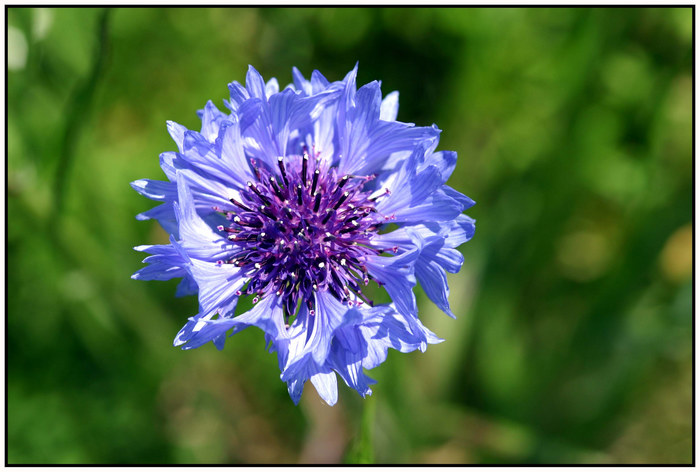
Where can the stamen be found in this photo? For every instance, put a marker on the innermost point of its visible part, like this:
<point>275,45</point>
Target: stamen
<point>304,163</point>
<point>315,181</point>
<point>341,200</point>
<point>239,205</point>
<point>328,215</point>
<point>343,181</point>
<point>262,197</point>
<point>280,163</point>
<point>292,250</point>
<point>275,187</point>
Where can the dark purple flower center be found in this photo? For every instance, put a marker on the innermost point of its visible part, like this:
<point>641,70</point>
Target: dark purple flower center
<point>303,228</point>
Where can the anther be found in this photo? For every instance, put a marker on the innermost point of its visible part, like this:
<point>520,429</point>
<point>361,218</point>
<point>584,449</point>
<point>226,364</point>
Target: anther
<point>341,200</point>
<point>315,181</point>
<point>304,163</point>
<point>264,211</point>
<point>343,181</point>
<point>299,194</point>
<point>275,187</point>
<point>239,205</point>
<point>253,164</point>
<point>280,163</point>
<point>317,201</point>
<point>257,192</point>
<point>329,213</point>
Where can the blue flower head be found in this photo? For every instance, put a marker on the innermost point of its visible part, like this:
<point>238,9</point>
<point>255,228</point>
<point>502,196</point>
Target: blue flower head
<point>287,199</point>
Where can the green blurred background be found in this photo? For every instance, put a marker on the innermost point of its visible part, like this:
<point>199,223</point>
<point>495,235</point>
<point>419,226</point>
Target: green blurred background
<point>573,342</point>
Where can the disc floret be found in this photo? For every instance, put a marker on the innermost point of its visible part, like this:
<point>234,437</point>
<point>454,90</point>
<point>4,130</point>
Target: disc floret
<point>302,228</point>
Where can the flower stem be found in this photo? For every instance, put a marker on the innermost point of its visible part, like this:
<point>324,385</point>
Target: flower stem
<point>362,451</point>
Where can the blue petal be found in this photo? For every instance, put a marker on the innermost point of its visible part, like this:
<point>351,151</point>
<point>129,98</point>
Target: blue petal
<point>437,207</point>
<point>218,285</point>
<point>390,107</point>
<point>396,275</point>
<point>158,270</point>
<point>327,386</point>
<point>461,231</point>
<point>311,335</point>
<point>198,238</point>
<point>212,329</point>
<point>233,155</point>
<point>164,214</point>
<point>393,331</point>
<point>238,95</point>
<point>444,161</point>
<point>454,232</point>
<point>208,190</point>
<point>300,83</point>
<point>254,83</point>
<point>295,387</point>
<point>164,263</point>
<point>434,282</point>
<point>212,119</point>
<point>349,366</point>
<point>318,82</point>
<point>207,327</point>
<point>379,140</point>
<point>267,315</point>
<point>177,132</point>
<point>207,158</point>
<point>187,286</point>
<point>271,87</point>
<point>417,195</point>
<point>465,201</point>
<point>167,163</point>
<point>347,99</point>
<point>155,189</point>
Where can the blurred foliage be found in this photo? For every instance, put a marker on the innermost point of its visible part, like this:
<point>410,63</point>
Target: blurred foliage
<point>573,337</point>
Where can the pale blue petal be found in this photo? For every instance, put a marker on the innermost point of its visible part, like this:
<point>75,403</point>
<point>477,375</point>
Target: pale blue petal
<point>444,161</point>
<point>271,87</point>
<point>197,238</point>
<point>177,132</point>
<point>390,107</point>
<point>254,83</point>
<point>327,386</point>
<point>238,94</point>
<point>465,201</point>
<point>212,118</point>
<point>396,275</point>
<point>433,280</point>
<point>155,189</point>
